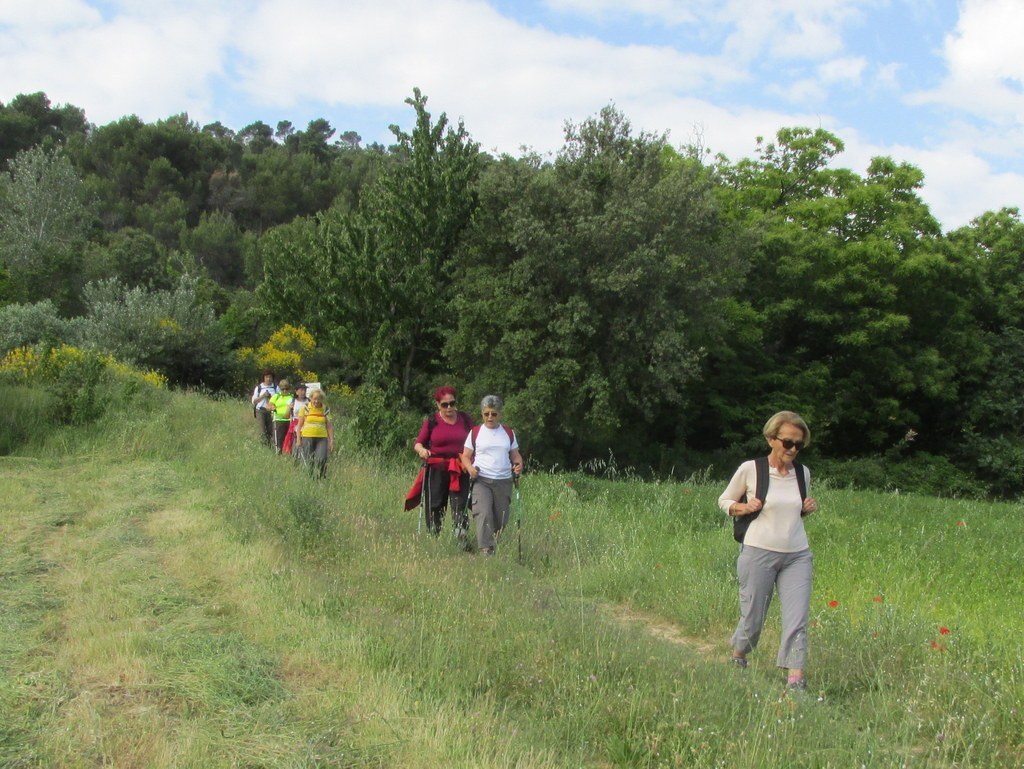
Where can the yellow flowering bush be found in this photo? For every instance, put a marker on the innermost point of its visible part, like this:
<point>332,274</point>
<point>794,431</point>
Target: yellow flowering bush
<point>285,350</point>
<point>19,365</point>
<point>83,382</point>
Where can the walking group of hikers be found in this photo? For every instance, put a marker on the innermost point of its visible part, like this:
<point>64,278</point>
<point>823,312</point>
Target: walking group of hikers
<point>469,468</point>
<point>293,423</point>
<point>474,468</point>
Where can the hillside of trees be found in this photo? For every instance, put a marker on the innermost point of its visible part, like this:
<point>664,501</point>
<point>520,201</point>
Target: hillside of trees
<point>631,299</point>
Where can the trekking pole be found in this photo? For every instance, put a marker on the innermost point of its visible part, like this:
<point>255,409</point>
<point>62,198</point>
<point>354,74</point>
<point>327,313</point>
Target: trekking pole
<point>519,515</point>
<point>424,497</point>
<point>467,513</point>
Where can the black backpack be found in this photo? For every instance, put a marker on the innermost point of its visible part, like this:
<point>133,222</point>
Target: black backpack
<point>741,523</point>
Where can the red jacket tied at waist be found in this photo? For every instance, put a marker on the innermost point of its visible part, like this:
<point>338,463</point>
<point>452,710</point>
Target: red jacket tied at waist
<point>454,468</point>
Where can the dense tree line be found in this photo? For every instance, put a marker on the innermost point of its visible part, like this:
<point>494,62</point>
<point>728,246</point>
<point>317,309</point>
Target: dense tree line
<point>626,295</point>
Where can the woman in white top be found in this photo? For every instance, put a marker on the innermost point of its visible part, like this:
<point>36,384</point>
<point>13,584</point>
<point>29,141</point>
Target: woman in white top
<point>775,553</point>
<point>261,408</point>
<point>491,457</point>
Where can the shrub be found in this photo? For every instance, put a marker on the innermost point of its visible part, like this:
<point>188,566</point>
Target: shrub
<point>381,419</point>
<point>72,385</point>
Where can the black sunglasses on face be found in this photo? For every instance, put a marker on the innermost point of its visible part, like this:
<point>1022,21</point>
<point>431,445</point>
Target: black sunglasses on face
<point>447,405</point>
<point>788,444</point>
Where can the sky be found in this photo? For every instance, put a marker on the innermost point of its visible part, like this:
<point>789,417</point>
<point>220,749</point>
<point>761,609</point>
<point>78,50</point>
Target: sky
<point>938,84</point>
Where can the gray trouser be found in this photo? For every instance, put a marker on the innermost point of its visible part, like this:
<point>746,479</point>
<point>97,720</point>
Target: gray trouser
<point>315,453</point>
<point>492,501</point>
<point>760,572</point>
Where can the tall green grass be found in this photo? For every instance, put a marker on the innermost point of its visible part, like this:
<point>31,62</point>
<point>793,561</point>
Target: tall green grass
<point>178,596</point>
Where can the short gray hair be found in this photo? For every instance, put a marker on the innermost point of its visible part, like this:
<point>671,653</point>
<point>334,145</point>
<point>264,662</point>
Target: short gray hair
<point>492,402</point>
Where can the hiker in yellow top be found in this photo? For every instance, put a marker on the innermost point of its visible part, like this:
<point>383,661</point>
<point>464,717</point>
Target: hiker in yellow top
<point>314,434</point>
<point>281,404</point>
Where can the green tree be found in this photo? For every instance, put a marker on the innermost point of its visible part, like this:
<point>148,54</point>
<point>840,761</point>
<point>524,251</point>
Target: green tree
<point>29,121</point>
<point>404,250</point>
<point>591,290</point>
<point>44,221</point>
<point>852,296</point>
<point>174,331</point>
<point>991,437</point>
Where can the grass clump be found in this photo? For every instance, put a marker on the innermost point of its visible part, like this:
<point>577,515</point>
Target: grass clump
<point>195,600</point>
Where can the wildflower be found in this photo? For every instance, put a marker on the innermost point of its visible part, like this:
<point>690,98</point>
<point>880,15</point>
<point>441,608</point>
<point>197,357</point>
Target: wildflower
<point>833,604</point>
<point>938,647</point>
<point>553,516</point>
<point>943,630</point>
<point>878,599</point>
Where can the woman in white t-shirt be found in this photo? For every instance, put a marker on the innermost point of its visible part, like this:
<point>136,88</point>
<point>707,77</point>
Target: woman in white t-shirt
<point>775,554</point>
<point>491,457</point>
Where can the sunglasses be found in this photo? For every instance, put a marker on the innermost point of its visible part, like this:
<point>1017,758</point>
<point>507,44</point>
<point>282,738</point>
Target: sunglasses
<point>788,444</point>
<point>447,405</point>
<point>490,414</point>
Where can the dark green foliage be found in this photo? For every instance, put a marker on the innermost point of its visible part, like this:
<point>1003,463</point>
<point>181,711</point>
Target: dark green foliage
<point>381,419</point>
<point>591,291</point>
<point>624,297</point>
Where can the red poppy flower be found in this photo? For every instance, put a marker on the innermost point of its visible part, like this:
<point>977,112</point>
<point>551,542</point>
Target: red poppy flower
<point>553,516</point>
<point>878,599</point>
<point>938,647</point>
<point>943,630</point>
<point>833,604</point>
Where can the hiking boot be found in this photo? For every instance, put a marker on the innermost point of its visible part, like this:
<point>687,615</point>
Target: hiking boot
<point>487,551</point>
<point>738,662</point>
<point>796,687</point>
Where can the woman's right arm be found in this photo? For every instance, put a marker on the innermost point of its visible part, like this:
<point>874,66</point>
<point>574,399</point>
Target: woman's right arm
<point>729,501</point>
<point>467,462</point>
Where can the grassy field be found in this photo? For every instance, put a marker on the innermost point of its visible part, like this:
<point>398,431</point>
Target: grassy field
<point>172,595</point>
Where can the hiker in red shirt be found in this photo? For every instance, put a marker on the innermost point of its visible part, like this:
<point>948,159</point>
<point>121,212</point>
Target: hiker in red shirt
<point>439,444</point>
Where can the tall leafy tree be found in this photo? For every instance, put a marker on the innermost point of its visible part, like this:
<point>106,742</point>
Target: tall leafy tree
<point>844,288</point>
<point>29,120</point>
<point>44,221</point>
<point>416,213</point>
<point>991,422</point>
<point>590,290</point>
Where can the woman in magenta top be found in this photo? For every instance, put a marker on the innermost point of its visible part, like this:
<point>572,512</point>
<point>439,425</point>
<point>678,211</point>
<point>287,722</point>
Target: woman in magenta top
<point>439,444</point>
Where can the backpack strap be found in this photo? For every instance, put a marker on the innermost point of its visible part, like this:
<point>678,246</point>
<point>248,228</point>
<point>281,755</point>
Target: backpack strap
<point>761,478</point>
<point>801,481</point>
<point>475,431</point>
<point>740,524</point>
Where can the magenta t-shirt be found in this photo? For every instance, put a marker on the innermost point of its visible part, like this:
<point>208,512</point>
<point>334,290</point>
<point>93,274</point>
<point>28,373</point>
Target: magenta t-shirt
<point>446,440</point>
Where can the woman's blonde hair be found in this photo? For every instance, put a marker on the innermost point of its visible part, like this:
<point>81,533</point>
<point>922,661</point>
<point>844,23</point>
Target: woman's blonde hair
<point>317,398</point>
<point>773,425</point>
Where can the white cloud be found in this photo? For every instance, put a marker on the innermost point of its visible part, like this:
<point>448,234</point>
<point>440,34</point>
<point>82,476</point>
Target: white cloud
<point>669,12</point>
<point>25,15</point>
<point>516,84</point>
<point>986,70</point>
<point>849,69</point>
<point>788,29</point>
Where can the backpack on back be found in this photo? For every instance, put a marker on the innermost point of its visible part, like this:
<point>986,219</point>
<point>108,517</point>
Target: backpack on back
<point>741,523</point>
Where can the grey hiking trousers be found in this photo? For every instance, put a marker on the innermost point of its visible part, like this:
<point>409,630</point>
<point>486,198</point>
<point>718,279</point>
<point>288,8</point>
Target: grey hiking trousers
<point>760,572</point>
<point>492,502</point>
